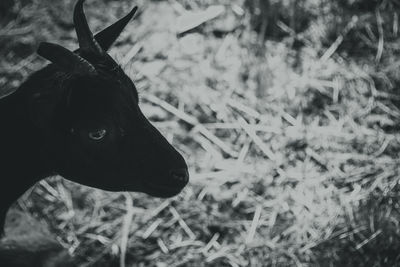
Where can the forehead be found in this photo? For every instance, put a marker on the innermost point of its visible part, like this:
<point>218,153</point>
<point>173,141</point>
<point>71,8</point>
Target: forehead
<point>93,94</point>
<point>92,100</point>
<point>93,89</point>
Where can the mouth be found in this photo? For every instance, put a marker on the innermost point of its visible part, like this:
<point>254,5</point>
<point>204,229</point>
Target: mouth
<point>162,191</point>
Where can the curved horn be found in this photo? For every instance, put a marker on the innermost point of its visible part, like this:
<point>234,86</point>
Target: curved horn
<point>107,37</point>
<point>65,59</point>
<point>85,37</point>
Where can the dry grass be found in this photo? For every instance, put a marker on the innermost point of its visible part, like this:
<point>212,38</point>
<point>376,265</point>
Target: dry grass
<point>293,150</point>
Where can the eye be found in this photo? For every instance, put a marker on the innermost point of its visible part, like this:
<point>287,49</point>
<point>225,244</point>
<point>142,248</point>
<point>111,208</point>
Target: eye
<point>97,135</point>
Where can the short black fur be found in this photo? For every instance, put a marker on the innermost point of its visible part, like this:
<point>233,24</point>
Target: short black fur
<point>79,117</point>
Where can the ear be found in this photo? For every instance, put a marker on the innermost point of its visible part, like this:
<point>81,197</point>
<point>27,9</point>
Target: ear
<point>107,37</point>
<point>65,59</point>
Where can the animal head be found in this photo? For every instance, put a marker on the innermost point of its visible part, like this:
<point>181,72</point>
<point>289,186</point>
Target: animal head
<point>96,133</point>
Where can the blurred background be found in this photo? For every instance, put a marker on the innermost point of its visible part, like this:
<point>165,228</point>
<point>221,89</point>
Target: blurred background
<point>288,115</point>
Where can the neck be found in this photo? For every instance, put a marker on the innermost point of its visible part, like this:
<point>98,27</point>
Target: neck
<point>20,161</point>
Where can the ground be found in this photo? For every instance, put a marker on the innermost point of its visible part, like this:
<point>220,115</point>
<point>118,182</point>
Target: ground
<point>287,115</point>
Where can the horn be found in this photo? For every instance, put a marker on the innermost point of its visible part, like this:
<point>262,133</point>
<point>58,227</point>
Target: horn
<point>107,36</point>
<point>65,59</point>
<point>85,37</point>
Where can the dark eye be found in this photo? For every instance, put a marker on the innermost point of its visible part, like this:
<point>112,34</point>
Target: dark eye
<point>97,135</point>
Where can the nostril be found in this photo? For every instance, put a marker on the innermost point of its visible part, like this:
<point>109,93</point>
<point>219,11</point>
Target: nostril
<point>181,175</point>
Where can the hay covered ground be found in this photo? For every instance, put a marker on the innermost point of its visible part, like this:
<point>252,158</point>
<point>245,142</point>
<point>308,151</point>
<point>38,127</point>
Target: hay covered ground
<point>286,111</point>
